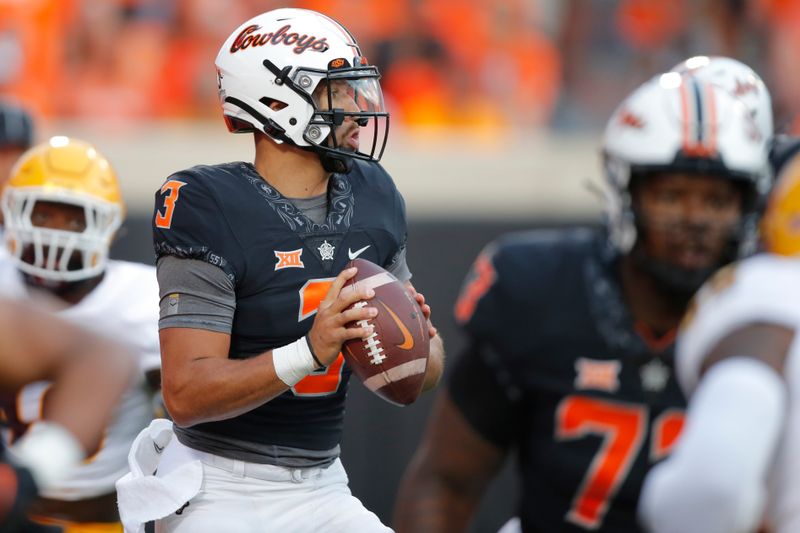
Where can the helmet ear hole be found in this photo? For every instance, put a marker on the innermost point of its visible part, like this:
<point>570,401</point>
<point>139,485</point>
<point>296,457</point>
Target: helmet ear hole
<point>274,104</point>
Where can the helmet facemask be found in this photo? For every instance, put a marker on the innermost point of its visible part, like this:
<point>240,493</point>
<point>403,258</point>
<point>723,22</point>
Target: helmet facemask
<point>58,255</point>
<point>347,104</point>
<point>721,240</point>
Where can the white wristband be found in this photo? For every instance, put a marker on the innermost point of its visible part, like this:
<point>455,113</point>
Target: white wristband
<point>49,451</point>
<point>293,362</point>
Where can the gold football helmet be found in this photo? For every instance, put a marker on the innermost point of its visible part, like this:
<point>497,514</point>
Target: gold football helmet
<point>62,171</point>
<point>780,226</point>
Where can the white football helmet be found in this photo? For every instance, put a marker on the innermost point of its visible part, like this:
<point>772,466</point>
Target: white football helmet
<point>269,69</point>
<point>61,171</point>
<point>676,123</point>
<point>737,78</point>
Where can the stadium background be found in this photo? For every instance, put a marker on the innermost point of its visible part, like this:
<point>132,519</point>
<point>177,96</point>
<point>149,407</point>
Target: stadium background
<point>497,111</point>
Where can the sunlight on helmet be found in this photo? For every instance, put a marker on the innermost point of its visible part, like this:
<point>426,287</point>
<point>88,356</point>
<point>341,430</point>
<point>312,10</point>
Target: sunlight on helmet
<point>670,80</point>
<point>697,62</point>
<point>59,141</point>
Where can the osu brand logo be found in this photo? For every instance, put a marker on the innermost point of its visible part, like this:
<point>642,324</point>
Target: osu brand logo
<point>744,87</point>
<point>627,118</point>
<point>301,43</point>
<point>289,259</point>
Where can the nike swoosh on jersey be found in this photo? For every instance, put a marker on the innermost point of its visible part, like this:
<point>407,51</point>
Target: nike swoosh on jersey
<point>408,340</point>
<point>352,255</point>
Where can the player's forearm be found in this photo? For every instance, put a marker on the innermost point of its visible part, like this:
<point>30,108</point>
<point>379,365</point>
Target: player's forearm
<point>212,389</point>
<point>91,364</point>
<point>427,504</point>
<point>714,479</point>
<point>435,368</point>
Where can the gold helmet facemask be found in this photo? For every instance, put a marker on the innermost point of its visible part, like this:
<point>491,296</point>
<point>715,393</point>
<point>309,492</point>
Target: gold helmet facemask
<point>65,171</point>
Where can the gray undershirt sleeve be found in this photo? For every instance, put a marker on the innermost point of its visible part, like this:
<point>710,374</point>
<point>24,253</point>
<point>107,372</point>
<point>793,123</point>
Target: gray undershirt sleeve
<point>194,294</point>
<point>399,266</point>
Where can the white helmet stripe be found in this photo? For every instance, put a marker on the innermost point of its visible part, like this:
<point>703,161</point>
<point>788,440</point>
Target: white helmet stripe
<point>698,107</point>
<point>699,111</point>
<point>687,112</point>
<point>711,106</point>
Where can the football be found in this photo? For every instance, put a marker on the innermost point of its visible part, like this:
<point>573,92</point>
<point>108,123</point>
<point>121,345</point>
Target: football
<point>392,361</point>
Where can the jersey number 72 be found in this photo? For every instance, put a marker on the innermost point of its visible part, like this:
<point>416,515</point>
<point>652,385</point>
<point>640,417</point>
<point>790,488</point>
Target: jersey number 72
<point>623,427</point>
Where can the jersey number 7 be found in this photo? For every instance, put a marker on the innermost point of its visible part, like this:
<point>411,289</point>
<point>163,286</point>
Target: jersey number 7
<point>324,381</point>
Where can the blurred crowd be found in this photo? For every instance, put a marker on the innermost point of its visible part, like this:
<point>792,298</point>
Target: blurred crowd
<point>462,63</point>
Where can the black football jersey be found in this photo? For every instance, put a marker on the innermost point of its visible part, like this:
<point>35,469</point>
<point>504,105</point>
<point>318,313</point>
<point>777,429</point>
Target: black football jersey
<point>782,149</point>
<point>281,264</point>
<point>557,371</point>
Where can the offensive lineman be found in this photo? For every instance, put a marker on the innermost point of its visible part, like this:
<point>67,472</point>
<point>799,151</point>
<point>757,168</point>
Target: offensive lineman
<point>570,357</point>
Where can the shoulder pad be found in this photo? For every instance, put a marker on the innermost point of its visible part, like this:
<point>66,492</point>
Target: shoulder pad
<point>541,261</point>
<point>189,222</point>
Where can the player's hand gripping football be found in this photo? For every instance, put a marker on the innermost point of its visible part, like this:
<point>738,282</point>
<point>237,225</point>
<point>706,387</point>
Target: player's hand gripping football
<point>426,309</point>
<point>328,331</point>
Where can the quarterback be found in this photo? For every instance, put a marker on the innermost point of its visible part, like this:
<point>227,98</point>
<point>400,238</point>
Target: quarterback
<point>251,261</point>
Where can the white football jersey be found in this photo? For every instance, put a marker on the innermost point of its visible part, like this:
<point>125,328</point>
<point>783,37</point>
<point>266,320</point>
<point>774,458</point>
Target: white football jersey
<point>762,289</point>
<point>123,306</point>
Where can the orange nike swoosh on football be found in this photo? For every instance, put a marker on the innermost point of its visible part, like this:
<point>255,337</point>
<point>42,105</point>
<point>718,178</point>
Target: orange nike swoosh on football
<point>408,340</point>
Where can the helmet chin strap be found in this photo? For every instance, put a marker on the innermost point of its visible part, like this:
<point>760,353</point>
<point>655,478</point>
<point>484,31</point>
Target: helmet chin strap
<point>332,162</point>
<point>680,282</point>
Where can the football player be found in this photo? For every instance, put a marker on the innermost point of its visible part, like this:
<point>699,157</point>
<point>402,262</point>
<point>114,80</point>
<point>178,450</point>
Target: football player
<point>736,466</point>
<point>569,362</point>
<point>251,261</point>
<point>62,208</point>
<point>88,374</point>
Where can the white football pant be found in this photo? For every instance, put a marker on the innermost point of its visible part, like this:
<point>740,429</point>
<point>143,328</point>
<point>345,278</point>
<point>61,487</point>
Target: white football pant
<point>249,497</point>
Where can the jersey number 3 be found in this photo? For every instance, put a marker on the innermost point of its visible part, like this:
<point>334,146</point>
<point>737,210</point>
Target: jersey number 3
<point>172,190</point>
<point>324,381</point>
